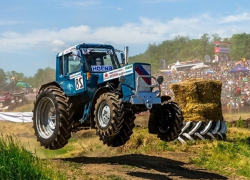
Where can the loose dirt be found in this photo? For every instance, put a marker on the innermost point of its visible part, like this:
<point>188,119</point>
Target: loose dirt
<point>163,166</point>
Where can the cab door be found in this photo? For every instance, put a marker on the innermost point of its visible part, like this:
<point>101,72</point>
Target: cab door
<point>75,77</point>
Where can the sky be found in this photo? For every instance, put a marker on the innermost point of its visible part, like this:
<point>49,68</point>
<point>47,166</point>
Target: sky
<point>32,32</point>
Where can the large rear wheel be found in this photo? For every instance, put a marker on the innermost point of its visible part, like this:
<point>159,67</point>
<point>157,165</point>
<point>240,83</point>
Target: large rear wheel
<point>52,118</point>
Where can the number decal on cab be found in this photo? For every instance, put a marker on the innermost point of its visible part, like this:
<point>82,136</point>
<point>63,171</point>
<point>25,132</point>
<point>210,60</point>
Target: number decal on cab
<point>79,82</point>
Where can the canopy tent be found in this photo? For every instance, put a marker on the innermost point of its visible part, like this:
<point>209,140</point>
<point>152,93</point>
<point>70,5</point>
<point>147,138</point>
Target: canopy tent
<point>238,68</point>
<point>187,69</point>
<point>165,71</point>
<point>200,66</point>
<point>23,84</point>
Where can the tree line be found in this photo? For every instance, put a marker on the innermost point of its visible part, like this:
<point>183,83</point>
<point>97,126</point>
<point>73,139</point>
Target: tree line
<point>180,48</point>
<point>186,49</point>
<point>41,77</point>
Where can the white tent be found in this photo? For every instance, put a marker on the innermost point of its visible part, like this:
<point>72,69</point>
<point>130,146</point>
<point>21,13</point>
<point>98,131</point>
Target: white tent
<point>200,66</point>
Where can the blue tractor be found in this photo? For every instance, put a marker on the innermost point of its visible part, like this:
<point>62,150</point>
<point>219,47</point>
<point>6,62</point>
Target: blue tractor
<point>95,87</point>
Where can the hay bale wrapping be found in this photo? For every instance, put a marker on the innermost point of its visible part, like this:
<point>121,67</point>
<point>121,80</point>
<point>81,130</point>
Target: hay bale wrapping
<point>199,99</point>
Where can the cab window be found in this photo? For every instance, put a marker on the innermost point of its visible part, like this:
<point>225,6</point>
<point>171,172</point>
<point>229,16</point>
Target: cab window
<point>73,65</point>
<point>101,62</point>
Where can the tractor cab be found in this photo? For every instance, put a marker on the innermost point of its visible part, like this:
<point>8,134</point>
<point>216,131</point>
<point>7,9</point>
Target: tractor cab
<point>78,68</point>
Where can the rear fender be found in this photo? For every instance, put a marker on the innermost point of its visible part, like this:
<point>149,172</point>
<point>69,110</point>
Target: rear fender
<point>53,83</point>
<point>165,98</point>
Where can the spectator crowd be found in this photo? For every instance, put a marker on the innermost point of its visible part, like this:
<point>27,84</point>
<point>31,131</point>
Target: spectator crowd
<point>235,93</point>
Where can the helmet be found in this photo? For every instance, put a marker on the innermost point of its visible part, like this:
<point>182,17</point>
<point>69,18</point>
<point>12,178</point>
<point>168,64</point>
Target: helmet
<point>98,61</point>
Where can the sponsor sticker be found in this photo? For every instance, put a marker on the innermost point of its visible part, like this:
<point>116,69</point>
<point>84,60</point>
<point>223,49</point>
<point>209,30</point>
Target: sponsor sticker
<point>101,68</point>
<point>67,50</point>
<point>87,50</point>
<point>72,76</point>
<point>128,67</point>
<point>118,72</point>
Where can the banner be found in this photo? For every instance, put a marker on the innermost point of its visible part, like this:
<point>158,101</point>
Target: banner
<point>222,50</point>
<point>23,117</point>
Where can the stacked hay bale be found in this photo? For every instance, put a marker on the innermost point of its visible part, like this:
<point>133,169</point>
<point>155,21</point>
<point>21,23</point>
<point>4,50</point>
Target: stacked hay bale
<point>200,101</point>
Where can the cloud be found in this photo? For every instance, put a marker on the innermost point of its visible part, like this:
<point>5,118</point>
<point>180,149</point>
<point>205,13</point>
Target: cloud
<point>57,45</point>
<point>236,18</point>
<point>57,42</point>
<point>145,32</point>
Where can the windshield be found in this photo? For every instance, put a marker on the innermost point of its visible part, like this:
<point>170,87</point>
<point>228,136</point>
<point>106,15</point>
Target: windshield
<point>100,59</point>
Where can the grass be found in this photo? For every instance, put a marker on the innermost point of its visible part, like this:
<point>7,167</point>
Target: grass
<point>113,177</point>
<point>235,116</point>
<point>25,108</point>
<point>240,123</point>
<point>231,157</point>
<point>18,163</point>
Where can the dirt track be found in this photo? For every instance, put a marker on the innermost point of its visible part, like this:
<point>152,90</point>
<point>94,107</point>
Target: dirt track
<point>163,166</point>
<point>138,166</point>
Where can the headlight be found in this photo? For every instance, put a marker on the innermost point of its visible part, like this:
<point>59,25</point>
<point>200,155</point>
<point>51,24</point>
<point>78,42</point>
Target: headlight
<point>160,79</point>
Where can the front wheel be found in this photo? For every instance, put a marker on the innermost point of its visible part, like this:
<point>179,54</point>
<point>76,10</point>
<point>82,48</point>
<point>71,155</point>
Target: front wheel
<point>166,121</point>
<point>52,118</point>
<point>124,135</point>
<point>108,115</point>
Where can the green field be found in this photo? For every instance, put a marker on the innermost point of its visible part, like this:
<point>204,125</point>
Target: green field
<point>230,158</point>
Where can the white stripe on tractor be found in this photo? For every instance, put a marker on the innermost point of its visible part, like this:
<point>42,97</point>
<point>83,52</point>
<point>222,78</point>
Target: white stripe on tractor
<point>141,80</point>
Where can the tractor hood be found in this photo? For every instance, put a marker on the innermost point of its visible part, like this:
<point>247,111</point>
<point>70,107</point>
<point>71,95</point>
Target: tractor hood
<point>131,72</point>
<point>136,75</point>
